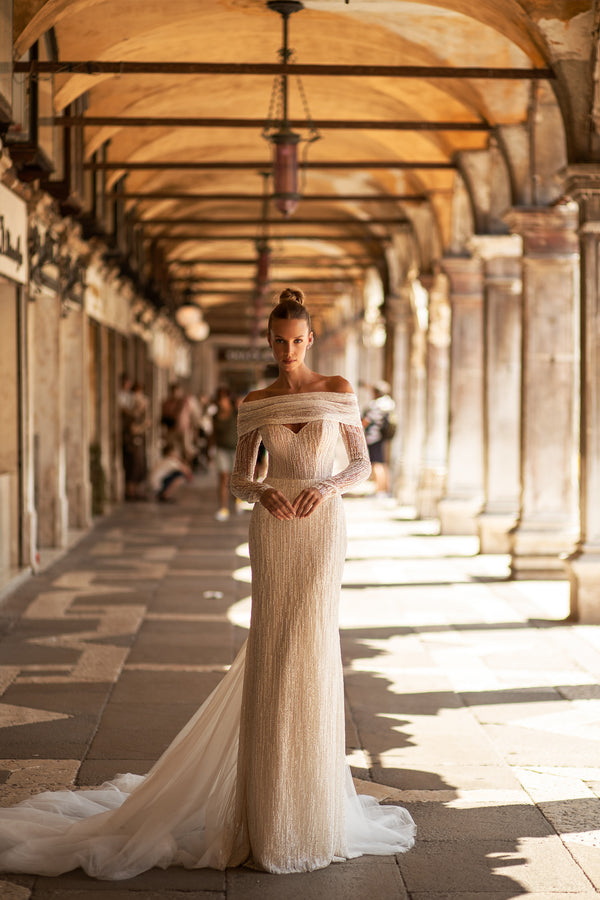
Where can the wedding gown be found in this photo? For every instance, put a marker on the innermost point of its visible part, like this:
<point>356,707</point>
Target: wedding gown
<point>259,773</point>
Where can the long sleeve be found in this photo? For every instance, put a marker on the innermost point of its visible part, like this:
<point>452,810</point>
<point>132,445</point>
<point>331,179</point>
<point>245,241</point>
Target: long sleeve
<point>243,483</point>
<point>358,468</point>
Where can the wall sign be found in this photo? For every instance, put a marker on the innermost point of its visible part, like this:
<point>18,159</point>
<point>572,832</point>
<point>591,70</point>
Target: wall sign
<point>13,236</point>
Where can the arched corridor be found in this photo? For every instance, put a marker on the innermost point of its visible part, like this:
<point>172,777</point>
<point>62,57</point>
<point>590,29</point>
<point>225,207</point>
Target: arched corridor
<point>428,173</point>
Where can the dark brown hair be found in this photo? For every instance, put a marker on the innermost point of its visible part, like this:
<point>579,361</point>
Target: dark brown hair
<point>290,306</point>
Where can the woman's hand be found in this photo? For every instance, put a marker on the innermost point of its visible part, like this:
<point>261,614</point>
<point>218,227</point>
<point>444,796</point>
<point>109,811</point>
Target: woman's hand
<point>306,502</point>
<point>278,505</point>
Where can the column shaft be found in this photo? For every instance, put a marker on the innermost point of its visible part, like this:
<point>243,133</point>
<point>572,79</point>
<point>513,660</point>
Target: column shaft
<point>464,488</point>
<point>583,566</point>
<point>548,523</point>
<point>501,255</point>
<point>437,373</point>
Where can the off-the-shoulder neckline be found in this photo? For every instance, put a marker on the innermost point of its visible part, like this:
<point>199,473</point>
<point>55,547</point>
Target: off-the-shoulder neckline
<point>301,394</point>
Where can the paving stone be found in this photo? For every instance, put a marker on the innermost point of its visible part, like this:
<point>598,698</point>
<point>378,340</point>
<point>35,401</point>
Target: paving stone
<point>522,746</point>
<point>529,864</point>
<point>67,738</point>
<point>156,882</point>
<point>182,642</point>
<point>376,877</point>
<point>165,687</point>
<point>466,778</point>
<point>588,857</point>
<point>11,890</point>
<point>139,730</point>
<point>94,772</point>
<point>500,895</point>
<point>441,749</point>
<point>72,698</point>
<point>466,820</point>
<point>116,893</point>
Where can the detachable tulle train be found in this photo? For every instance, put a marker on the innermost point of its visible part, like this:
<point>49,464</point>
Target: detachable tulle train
<point>182,813</point>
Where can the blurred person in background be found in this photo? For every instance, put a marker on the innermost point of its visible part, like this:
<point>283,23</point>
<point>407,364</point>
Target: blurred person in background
<point>379,423</point>
<point>224,441</point>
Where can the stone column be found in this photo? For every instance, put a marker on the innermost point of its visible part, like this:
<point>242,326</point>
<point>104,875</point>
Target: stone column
<point>397,372</point>
<point>583,566</point>
<point>437,380</point>
<point>459,508</point>
<point>549,522</point>
<point>501,256</point>
<point>52,506</point>
<point>74,364</point>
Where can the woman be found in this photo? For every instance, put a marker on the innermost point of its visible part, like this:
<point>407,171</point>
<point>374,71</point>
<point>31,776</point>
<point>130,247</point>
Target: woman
<point>224,440</point>
<point>258,776</point>
<point>136,426</point>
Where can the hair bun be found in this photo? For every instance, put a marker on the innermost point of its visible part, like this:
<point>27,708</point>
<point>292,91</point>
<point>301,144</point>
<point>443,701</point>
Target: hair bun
<point>292,294</point>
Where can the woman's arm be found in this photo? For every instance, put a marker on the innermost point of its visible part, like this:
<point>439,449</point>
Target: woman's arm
<point>242,482</point>
<point>358,468</point>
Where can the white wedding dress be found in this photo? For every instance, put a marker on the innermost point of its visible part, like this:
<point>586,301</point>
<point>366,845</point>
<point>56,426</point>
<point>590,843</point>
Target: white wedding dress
<point>259,773</point>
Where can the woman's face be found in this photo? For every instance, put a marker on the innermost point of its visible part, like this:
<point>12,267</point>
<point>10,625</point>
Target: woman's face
<point>289,340</point>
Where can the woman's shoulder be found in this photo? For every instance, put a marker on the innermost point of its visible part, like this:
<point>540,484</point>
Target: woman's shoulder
<point>336,384</point>
<point>326,384</point>
<point>257,395</point>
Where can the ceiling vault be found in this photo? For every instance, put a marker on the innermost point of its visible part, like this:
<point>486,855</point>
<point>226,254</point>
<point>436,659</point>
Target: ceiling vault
<point>154,123</point>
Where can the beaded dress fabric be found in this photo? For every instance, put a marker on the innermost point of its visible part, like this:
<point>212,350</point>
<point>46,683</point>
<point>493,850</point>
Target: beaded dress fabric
<point>259,773</point>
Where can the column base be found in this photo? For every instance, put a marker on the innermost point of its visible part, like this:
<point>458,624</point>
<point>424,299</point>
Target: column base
<point>459,515</point>
<point>430,492</point>
<point>583,571</point>
<point>495,531</point>
<point>538,555</point>
<point>31,554</point>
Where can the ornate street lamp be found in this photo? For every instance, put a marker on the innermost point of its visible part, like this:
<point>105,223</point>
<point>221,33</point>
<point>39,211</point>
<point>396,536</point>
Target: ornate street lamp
<point>278,132</point>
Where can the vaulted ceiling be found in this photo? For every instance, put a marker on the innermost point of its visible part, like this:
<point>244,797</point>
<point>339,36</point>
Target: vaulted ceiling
<point>195,187</point>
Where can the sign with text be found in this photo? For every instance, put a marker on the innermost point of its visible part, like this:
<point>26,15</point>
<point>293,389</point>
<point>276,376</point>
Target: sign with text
<point>13,236</point>
<point>245,354</point>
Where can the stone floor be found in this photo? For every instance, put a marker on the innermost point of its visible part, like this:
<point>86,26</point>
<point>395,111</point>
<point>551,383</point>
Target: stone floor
<point>468,697</point>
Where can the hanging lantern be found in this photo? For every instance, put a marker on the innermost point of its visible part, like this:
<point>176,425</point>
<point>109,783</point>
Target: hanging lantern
<point>198,331</point>
<point>263,263</point>
<point>286,193</point>
<point>188,314</point>
<point>285,171</point>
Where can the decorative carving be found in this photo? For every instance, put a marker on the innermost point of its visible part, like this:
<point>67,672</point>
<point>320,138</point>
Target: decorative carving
<point>56,266</point>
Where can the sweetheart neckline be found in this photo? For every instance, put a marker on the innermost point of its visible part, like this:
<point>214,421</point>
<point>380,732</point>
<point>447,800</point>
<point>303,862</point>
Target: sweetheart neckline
<point>291,427</point>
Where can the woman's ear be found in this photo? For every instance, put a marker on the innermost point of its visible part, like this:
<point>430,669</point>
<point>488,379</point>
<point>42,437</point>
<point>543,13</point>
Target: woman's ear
<point>311,338</point>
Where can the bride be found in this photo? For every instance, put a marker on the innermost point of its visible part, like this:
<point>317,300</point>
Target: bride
<point>258,775</point>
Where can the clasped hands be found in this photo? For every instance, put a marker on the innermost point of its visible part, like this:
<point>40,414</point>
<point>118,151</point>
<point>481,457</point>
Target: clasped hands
<point>279,506</point>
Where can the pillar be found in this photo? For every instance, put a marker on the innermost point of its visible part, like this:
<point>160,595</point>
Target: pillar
<point>583,566</point>
<point>52,505</point>
<point>432,484</point>
<point>397,372</point>
<point>73,347</point>
<point>9,426</point>
<point>548,525</point>
<point>501,256</point>
<point>462,502</point>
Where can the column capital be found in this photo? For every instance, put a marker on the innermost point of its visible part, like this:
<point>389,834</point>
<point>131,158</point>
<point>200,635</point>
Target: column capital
<point>549,231</point>
<point>582,180</point>
<point>465,274</point>
<point>496,246</point>
<point>396,308</point>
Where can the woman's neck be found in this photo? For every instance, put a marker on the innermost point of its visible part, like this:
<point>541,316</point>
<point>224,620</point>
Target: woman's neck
<point>296,383</point>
